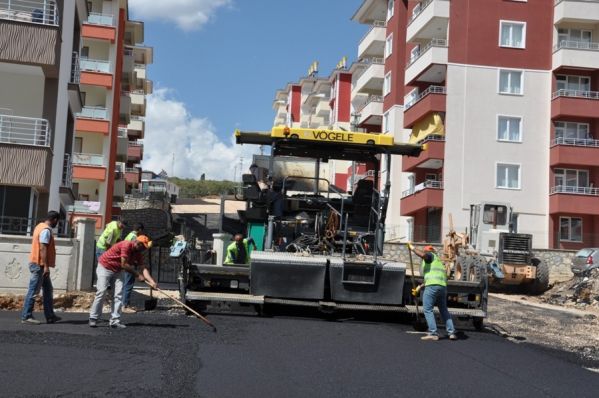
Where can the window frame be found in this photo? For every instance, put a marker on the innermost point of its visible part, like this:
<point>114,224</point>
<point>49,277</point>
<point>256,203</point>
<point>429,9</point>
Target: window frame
<point>503,22</point>
<point>518,165</point>
<point>520,123</point>
<point>570,239</point>
<point>390,9</point>
<point>387,81</point>
<point>521,93</point>
<point>563,173</point>
<point>389,45</point>
<point>386,117</point>
<point>564,129</point>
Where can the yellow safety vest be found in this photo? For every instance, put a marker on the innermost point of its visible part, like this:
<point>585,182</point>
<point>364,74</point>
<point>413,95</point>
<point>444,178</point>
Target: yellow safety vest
<point>434,272</point>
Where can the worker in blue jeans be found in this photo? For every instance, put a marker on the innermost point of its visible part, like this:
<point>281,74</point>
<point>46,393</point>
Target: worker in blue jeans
<point>435,292</point>
<point>138,229</point>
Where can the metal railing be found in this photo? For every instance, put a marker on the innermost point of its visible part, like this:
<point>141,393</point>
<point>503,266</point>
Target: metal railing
<point>94,65</point>
<point>580,1</point>
<point>575,190</point>
<point>418,9</point>
<point>576,94</point>
<point>422,186</point>
<point>586,142</point>
<point>429,90</point>
<point>370,99</point>
<point>94,112</point>
<point>96,18</point>
<point>374,25</point>
<point>368,61</point>
<point>138,66</point>
<point>88,159</point>
<point>432,137</point>
<point>67,172</point>
<point>24,130</point>
<point>428,46</point>
<point>44,12</point>
<point>576,45</point>
<point>122,132</point>
<point>135,144</point>
<point>87,207</point>
<point>132,170</point>
<point>75,68</point>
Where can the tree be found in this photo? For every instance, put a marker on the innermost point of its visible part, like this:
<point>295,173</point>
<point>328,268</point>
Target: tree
<point>190,188</point>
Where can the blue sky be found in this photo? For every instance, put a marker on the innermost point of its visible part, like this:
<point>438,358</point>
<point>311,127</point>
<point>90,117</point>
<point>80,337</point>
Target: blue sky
<point>218,63</point>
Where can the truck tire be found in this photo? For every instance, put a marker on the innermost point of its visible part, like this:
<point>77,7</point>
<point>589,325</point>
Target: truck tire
<point>470,268</point>
<point>541,283</point>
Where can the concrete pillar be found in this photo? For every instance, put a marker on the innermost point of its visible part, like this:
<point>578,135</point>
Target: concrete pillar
<point>219,246</point>
<point>86,229</point>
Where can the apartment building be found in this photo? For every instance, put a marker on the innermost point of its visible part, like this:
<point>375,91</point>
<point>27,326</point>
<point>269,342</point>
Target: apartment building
<point>39,98</point>
<point>109,130</point>
<point>504,95</point>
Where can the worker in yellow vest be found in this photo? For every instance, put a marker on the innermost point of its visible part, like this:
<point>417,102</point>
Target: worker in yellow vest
<point>238,252</point>
<point>41,260</point>
<point>110,236</point>
<point>435,292</point>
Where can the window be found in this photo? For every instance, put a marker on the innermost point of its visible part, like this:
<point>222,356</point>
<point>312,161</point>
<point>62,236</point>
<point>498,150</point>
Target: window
<point>495,214</point>
<point>387,84</point>
<point>390,9</point>
<point>509,129</point>
<point>571,131</point>
<point>388,45</point>
<point>386,122</point>
<point>570,229</point>
<point>571,178</point>
<point>414,53</point>
<point>573,83</point>
<point>84,52</point>
<point>573,35</point>
<point>508,176</point>
<point>512,34</point>
<point>510,82</point>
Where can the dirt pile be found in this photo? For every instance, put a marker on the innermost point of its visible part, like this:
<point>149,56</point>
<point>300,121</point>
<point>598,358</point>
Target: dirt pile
<point>580,292</point>
<point>75,301</point>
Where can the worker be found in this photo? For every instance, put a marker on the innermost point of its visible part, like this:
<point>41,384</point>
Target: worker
<point>110,236</point>
<point>435,292</point>
<point>41,259</point>
<point>238,251</point>
<point>122,257</point>
<point>138,230</point>
<point>260,174</point>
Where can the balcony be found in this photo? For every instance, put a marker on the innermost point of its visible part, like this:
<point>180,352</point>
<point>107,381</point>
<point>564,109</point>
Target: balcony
<point>430,65</point>
<point>433,99</point>
<point>132,176</point>
<point>575,11</point>
<point>99,27</point>
<point>118,193</point>
<point>141,54</point>
<point>125,108</point>
<point>575,103</point>
<point>428,19</point>
<point>372,111</point>
<point>431,158</point>
<point>134,32</point>
<point>67,172</point>
<point>75,99</point>
<point>89,167</point>
<point>135,152</point>
<point>140,71</point>
<point>370,81</point>
<point>574,152</point>
<point>122,145</point>
<point>24,131</point>
<point>138,102</point>
<point>96,72</point>
<point>25,22</point>
<point>373,42</point>
<point>574,200</point>
<point>323,109</point>
<point>86,209</point>
<point>136,127</point>
<point>93,120</point>
<point>428,194</point>
<point>575,54</point>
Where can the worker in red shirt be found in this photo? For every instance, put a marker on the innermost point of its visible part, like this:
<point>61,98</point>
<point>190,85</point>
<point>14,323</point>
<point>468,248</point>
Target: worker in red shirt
<point>123,257</point>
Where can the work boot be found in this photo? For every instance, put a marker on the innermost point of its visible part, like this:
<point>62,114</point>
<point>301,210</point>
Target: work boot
<point>30,321</point>
<point>453,336</point>
<point>117,325</point>
<point>432,337</point>
<point>53,319</point>
<point>93,323</point>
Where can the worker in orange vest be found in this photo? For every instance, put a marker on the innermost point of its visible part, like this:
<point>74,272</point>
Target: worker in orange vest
<point>41,259</point>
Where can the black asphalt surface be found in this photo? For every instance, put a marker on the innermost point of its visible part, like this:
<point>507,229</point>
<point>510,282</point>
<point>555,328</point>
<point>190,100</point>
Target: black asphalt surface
<point>170,355</point>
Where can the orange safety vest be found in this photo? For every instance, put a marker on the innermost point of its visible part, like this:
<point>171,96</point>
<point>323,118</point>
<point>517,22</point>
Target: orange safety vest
<point>36,246</point>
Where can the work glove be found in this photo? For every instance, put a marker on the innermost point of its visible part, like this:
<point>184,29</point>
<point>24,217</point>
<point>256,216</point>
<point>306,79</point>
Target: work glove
<point>416,291</point>
<point>410,246</point>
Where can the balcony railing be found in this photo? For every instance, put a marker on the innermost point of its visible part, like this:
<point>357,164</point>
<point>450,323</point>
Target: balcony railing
<point>94,112</point>
<point>135,144</point>
<point>575,190</point>
<point>429,90</point>
<point>428,46</point>
<point>375,24</point>
<point>24,130</point>
<point>67,172</point>
<point>432,137</point>
<point>86,207</point>
<point>371,98</point>
<point>424,185</point>
<point>95,18</point>
<point>132,170</point>
<point>87,159</point>
<point>576,94</point>
<point>576,45</point>
<point>75,68</point>
<point>585,142</point>
<point>94,65</point>
<point>122,132</point>
<point>119,167</point>
<point>583,1</point>
<point>418,9</point>
<point>368,61</point>
<point>42,12</point>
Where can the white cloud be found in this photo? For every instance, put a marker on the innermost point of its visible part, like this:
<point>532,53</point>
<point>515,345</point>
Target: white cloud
<point>187,14</point>
<point>171,129</point>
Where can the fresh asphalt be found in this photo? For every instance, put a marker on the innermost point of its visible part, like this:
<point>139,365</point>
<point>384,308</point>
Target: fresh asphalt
<point>171,355</point>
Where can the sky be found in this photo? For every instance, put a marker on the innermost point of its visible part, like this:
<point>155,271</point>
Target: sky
<point>217,66</point>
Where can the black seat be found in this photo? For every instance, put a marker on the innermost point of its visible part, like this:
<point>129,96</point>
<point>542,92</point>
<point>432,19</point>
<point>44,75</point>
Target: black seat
<point>362,201</point>
<point>251,189</point>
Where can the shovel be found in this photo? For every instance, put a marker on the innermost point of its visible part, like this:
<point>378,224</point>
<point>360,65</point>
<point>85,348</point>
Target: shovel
<point>150,305</point>
<point>419,324</point>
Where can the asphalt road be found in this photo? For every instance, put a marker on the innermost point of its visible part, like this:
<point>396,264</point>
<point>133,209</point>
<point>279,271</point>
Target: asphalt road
<point>165,354</point>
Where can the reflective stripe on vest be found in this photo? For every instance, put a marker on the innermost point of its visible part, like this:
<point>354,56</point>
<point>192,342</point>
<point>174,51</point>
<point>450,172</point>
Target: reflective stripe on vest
<point>112,230</point>
<point>434,272</point>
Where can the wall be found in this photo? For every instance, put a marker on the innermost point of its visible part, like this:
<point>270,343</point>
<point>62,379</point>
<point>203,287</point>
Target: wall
<point>22,90</point>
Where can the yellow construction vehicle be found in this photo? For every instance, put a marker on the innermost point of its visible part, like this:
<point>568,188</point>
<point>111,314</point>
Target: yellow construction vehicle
<point>349,137</point>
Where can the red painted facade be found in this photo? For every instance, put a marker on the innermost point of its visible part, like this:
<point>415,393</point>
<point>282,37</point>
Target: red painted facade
<point>296,103</point>
<point>428,104</point>
<point>396,62</point>
<point>343,103</point>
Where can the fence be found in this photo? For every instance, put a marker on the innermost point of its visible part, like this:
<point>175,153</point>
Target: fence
<point>24,130</point>
<point>42,12</point>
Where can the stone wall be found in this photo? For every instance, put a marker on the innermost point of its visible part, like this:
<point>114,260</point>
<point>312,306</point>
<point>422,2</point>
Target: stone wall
<point>559,261</point>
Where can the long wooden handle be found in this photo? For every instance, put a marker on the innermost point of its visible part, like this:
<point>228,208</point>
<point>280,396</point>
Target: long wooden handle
<point>188,308</point>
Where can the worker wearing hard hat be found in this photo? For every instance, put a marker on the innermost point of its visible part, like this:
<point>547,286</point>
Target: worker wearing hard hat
<point>435,292</point>
<point>238,252</point>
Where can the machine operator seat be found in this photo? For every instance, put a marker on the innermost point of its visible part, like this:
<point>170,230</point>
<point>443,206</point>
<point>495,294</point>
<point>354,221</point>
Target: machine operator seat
<point>362,200</point>
<point>251,189</point>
